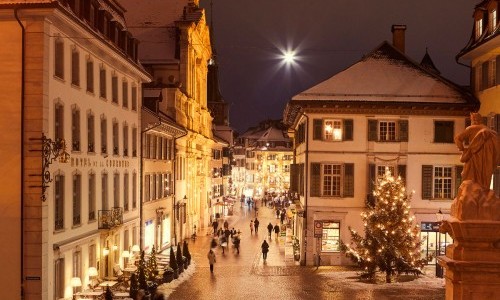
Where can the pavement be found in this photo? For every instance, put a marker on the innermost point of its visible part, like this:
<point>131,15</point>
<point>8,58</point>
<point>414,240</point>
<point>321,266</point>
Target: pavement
<point>247,276</point>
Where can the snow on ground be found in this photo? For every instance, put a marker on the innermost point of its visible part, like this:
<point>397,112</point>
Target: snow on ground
<point>167,288</point>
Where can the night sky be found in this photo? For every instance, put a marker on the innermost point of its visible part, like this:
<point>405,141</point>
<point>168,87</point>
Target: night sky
<point>328,36</point>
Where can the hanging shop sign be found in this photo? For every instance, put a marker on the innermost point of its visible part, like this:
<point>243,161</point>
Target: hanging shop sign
<point>318,229</point>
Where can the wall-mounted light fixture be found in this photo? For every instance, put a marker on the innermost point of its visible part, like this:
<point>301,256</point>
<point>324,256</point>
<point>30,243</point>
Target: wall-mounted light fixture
<point>51,150</point>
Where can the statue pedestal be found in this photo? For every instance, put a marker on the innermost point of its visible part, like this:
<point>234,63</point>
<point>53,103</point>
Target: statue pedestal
<point>472,263</point>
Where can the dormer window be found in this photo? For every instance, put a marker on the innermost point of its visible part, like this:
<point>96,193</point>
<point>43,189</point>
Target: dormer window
<point>479,28</point>
<point>493,20</point>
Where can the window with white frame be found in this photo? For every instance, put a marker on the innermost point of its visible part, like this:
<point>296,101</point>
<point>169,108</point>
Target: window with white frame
<point>272,168</point>
<point>125,94</point>
<point>77,264</point>
<point>443,180</point>
<point>381,170</point>
<point>77,199</point>
<point>330,240</point>
<point>387,131</point>
<point>102,83</point>
<point>59,202</point>
<point>90,76</point>
<point>478,28</point>
<point>59,121</point>
<point>75,129</point>
<point>331,179</point>
<point>104,191</point>
<point>333,130</point>
<point>125,192</point>
<point>114,88</point>
<point>59,58</point>
<point>116,190</point>
<point>92,197</point>
<point>104,135</point>
<point>91,132</point>
<point>75,67</point>
<point>115,137</point>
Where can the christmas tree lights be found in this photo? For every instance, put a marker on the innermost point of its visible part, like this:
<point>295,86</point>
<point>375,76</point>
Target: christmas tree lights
<point>391,241</point>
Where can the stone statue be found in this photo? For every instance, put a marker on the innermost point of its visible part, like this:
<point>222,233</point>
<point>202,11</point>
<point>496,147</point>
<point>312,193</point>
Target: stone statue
<point>480,157</point>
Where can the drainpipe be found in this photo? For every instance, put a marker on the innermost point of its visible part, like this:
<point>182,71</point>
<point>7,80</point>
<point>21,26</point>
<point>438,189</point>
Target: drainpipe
<point>306,175</point>
<point>23,33</point>
<point>175,182</point>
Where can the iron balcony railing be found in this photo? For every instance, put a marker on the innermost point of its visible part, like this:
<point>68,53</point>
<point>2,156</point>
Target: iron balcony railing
<point>110,218</point>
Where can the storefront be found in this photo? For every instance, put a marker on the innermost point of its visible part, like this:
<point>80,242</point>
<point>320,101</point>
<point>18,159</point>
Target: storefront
<point>149,235</point>
<point>433,242</point>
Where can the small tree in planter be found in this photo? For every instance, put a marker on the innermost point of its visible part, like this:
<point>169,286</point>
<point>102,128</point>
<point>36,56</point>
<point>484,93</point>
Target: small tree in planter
<point>134,286</point>
<point>168,275</point>
<point>173,263</point>
<point>180,262</point>
<point>185,250</point>
<point>152,266</point>
<point>108,295</point>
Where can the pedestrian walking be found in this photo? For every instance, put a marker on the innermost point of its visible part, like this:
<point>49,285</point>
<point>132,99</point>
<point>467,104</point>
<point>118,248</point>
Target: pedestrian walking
<point>270,229</point>
<point>276,230</point>
<point>223,242</point>
<point>226,224</point>
<point>256,225</point>
<point>251,226</point>
<point>211,260</point>
<point>277,213</point>
<point>213,244</point>
<point>282,216</point>
<point>215,224</point>
<point>265,249</point>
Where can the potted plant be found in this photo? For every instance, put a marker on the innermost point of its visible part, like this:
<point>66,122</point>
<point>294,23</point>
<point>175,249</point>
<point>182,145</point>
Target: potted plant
<point>185,250</point>
<point>168,275</point>
<point>173,263</point>
<point>180,262</point>
<point>134,286</point>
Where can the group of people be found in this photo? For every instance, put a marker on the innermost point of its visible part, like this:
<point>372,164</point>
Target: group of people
<point>254,225</point>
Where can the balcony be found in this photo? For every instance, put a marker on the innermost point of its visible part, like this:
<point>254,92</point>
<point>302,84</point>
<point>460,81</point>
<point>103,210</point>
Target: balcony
<point>110,218</point>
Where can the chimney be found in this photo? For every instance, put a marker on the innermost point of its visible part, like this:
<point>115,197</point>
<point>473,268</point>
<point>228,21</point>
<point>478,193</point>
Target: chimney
<point>398,37</point>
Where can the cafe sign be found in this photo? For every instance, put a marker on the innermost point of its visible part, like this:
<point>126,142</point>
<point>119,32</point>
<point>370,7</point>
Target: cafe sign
<point>318,229</point>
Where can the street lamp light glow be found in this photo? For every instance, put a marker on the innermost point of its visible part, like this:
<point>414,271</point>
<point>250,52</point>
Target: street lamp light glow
<point>289,57</point>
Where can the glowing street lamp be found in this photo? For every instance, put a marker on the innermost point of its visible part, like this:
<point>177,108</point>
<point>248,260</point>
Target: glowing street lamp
<point>289,56</point>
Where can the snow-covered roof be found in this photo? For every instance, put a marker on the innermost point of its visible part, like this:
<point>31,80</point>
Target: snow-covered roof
<point>386,75</point>
<point>273,134</point>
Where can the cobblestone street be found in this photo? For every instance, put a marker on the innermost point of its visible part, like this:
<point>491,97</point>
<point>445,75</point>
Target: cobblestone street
<point>247,276</point>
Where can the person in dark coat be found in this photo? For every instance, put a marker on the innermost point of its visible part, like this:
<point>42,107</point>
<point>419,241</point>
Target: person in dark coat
<point>256,225</point>
<point>282,216</point>
<point>276,230</point>
<point>265,249</point>
<point>215,224</point>
<point>270,229</point>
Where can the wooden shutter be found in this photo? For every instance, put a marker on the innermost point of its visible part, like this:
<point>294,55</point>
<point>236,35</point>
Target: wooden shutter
<point>371,178</point>
<point>458,177</point>
<point>317,129</point>
<point>294,178</point>
<point>348,130</point>
<point>372,130</point>
<point>403,130</point>
<point>315,183</point>
<point>301,179</point>
<point>402,173</point>
<point>348,180</point>
<point>427,181</point>
<point>484,75</point>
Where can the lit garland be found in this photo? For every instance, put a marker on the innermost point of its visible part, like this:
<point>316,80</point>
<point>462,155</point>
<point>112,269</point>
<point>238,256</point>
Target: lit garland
<point>391,242</point>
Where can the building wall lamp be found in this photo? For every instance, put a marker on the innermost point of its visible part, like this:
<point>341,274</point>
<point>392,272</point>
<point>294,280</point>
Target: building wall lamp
<point>51,150</point>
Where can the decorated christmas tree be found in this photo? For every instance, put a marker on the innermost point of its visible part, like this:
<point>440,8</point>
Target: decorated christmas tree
<point>391,242</point>
<point>152,266</point>
<point>180,261</point>
<point>141,273</point>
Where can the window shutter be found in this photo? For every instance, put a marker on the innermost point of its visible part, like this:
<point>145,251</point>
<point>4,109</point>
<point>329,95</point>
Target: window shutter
<point>497,77</point>
<point>402,173</point>
<point>348,130</point>
<point>458,177</point>
<point>371,178</point>
<point>294,178</point>
<point>315,183</point>
<point>317,129</point>
<point>372,130</point>
<point>348,180</point>
<point>301,179</point>
<point>403,130</point>
<point>427,182</point>
<point>484,75</point>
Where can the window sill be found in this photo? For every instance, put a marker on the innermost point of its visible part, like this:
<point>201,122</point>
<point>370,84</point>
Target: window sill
<point>56,231</point>
<point>76,86</point>
<point>59,79</point>
<point>75,226</point>
<point>91,93</point>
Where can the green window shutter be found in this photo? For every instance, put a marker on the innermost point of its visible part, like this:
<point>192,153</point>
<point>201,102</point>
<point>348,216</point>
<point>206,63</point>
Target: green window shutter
<point>372,130</point>
<point>348,180</point>
<point>402,172</point>
<point>317,129</point>
<point>458,177</point>
<point>348,130</point>
<point>427,182</point>
<point>294,178</point>
<point>315,180</point>
<point>403,130</point>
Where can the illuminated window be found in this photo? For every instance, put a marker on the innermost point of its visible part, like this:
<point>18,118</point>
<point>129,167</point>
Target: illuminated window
<point>493,20</point>
<point>443,182</point>
<point>479,28</point>
<point>330,241</point>
<point>381,170</point>
<point>387,131</point>
<point>333,130</point>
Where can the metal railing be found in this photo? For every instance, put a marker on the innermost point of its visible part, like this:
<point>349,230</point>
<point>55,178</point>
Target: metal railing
<point>110,218</point>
